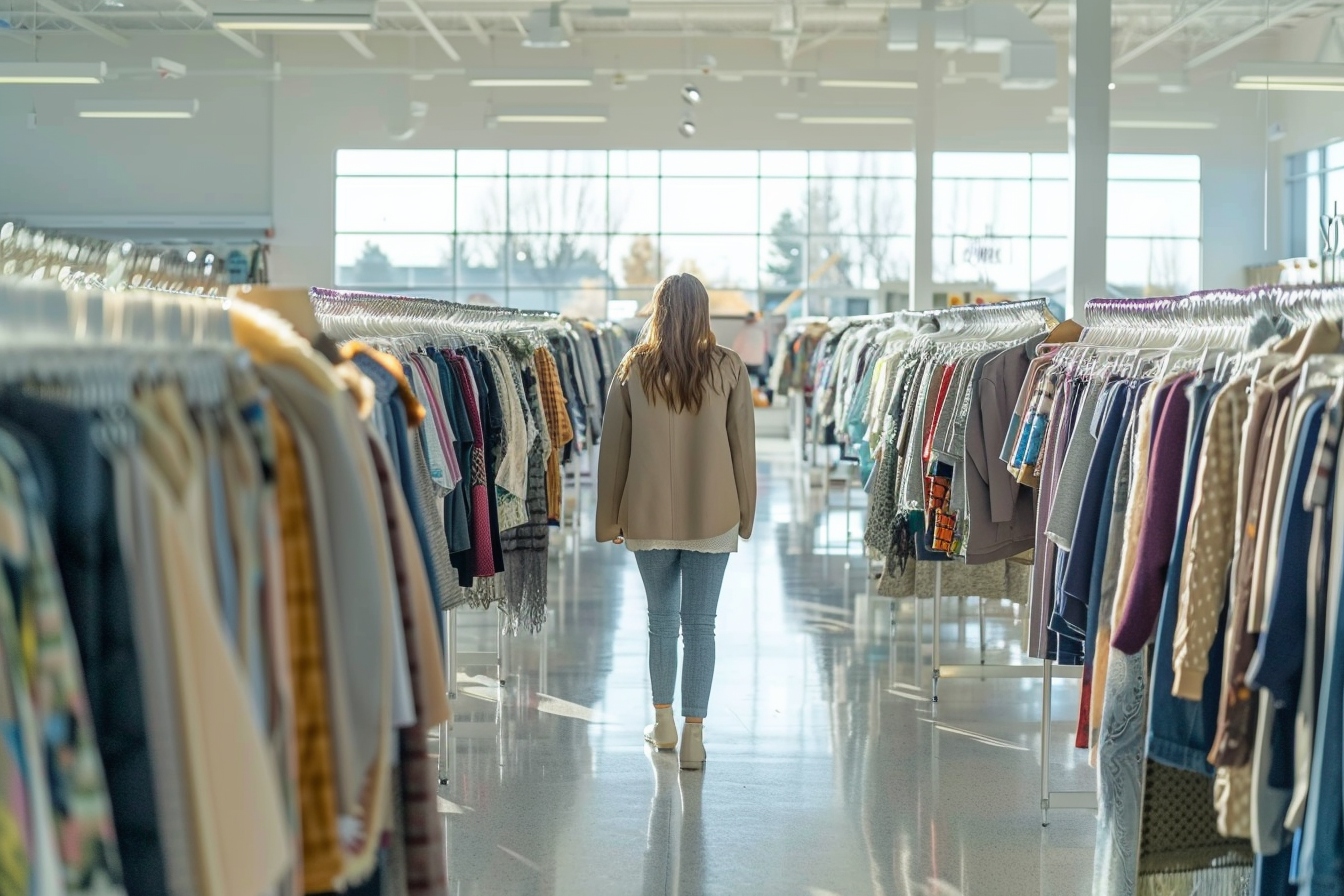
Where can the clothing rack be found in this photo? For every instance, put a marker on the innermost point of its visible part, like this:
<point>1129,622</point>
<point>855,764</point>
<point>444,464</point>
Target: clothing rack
<point>1202,322</point>
<point>406,322</point>
<point>75,261</point>
<point>963,323</point>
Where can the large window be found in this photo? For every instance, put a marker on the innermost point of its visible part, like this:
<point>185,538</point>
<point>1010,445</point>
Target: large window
<point>592,231</point>
<point>1001,223</point>
<point>1315,190</point>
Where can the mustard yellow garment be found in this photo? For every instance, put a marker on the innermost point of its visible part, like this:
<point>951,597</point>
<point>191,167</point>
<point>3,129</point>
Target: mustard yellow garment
<point>240,837</point>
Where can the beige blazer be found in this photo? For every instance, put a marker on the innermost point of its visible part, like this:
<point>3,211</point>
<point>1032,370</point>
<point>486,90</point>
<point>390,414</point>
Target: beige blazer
<point>678,476</point>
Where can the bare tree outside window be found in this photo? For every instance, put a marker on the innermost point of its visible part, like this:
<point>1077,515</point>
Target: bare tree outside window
<point>641,264</point>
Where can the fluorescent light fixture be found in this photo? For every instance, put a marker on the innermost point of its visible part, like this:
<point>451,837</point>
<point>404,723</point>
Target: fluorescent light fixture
<point>869,83</point>
<point>138,109</point>
<point>855,119</point>
<point>52,72</point>
<point>549,118</point>
<point>330,15</point>
<point>530,79</point>
<point>1301,76</point>
<point>554,115</point>
<point>1291,86</point>
<point>1158,124</point>
<point>256,22</point>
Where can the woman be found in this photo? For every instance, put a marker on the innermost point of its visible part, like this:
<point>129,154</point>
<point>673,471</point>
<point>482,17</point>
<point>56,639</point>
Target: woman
<point>753,347</point>
<point>676,484</point>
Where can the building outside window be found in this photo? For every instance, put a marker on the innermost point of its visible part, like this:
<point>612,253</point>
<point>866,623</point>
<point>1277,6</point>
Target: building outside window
<point>593,231</point>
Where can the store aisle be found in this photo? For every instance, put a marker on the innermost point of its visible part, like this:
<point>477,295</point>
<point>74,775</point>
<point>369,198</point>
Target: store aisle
<point>823,777</point>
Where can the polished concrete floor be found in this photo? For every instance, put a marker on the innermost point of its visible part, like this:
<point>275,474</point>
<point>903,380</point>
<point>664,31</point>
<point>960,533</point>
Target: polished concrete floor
<point>830,771</point>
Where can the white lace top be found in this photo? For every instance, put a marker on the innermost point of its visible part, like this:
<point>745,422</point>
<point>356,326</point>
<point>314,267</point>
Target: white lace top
<point>719,544</point>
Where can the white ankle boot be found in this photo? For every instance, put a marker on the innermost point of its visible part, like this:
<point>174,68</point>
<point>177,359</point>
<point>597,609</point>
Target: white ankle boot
<point>693,746</point>
<point>663,732</point>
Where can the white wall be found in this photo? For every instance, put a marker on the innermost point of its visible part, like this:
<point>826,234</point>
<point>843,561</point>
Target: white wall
<point>267,147</point>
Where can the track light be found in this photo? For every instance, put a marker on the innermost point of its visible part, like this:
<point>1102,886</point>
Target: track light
<point>687,127</point>
<point>690,94</point>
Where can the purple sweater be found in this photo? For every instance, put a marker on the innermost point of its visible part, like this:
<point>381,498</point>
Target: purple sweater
<point>1166,465</point>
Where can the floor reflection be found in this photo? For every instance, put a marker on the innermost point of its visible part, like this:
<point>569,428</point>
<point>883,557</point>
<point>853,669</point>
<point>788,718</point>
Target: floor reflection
<point>829,772</point>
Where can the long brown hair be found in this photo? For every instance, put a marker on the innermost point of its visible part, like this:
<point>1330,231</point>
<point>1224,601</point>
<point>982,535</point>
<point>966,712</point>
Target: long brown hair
<point>677,353</point>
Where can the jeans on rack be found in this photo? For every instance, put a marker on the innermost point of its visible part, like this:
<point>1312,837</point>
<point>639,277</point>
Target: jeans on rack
<point>1320,862</point>
<point>683,590</point>
<point>1071,603</point>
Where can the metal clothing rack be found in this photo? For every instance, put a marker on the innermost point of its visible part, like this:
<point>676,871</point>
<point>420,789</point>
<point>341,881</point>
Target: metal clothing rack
<point>36,253</point>
<point>376,315</point>
<point>968,322</point>
<point>1173,322</point>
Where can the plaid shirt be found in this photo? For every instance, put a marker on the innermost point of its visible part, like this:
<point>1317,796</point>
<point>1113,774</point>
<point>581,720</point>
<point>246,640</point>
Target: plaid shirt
<point>555,406</point>
<point>322,861</point>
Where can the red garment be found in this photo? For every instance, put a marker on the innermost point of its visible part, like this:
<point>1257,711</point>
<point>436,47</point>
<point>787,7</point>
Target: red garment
<point>482,536</point>
<point>937,412</point>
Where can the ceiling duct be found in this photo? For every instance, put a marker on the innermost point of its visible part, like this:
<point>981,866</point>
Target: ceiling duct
<point>546,30</point>
<point>1028,56</point>
<point>293,15</point>
<point>612,8</point>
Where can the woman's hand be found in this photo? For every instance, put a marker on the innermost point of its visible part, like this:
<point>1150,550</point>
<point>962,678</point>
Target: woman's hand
<point>619,539</point>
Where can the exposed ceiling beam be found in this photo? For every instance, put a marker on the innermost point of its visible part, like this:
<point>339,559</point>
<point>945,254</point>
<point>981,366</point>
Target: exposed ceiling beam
<point>1254,31</point>
<point>428,24</point>
<point>482,36</point>
<point>1175,26</point>
<point>90,26</point>
<point>358,45</point>
<point>232,37</point>
<point>241,42</point>
<point>818,42</point>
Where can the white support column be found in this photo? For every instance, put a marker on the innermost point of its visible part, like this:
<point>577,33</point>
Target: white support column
<point>926,130</point>
<point>1089,148</point>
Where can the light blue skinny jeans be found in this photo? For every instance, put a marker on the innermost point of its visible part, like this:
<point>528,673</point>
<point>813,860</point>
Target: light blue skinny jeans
<point>683,589</point>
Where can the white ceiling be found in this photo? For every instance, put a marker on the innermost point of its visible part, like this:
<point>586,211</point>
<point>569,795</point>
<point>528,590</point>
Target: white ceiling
<point>1181,31</point>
